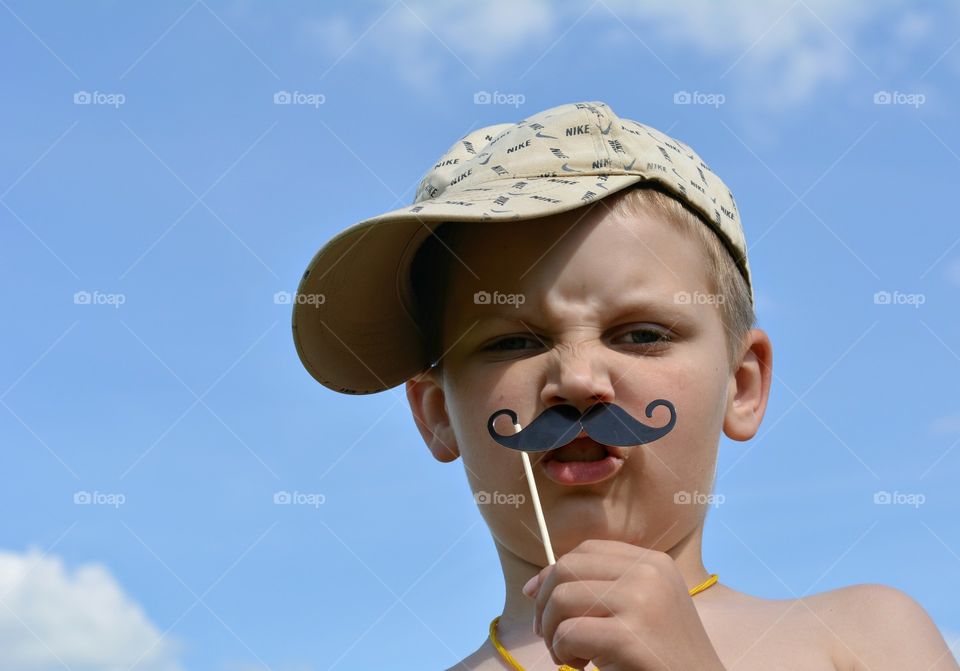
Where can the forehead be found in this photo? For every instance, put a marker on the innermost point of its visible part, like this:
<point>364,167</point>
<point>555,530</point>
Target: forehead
<point>590,254</point>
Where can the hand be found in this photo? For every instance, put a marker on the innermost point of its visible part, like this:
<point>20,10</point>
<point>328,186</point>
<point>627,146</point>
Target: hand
<point>624,607</point>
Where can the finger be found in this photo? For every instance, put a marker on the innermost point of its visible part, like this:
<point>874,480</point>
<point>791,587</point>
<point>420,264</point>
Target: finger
<point>603,546</point>
<point>576,567</point>
<point>592,598</point>
<point>585,638</point>
<point>638,553</point>
<point>591,547</point>
<point>532,586</point>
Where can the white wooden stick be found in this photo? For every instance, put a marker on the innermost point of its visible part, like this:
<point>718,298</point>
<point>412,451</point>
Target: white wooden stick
<point>536,503</point>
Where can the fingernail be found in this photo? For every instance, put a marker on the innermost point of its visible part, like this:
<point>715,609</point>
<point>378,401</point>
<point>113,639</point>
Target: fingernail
<point>528,588</point>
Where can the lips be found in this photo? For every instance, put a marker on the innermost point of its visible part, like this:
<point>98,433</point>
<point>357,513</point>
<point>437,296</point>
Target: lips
<point>581,473</point>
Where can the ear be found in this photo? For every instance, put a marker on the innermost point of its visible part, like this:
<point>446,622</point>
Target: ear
<point>749,387</point>
<point>428,404</point>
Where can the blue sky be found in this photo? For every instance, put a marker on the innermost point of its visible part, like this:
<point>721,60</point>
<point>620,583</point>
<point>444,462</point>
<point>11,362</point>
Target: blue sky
<point>145,432</point>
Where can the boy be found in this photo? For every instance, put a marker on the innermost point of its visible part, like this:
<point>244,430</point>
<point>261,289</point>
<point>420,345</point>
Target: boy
<point>579,258</point>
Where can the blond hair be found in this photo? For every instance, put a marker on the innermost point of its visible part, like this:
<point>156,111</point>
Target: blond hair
<point>726,281</point>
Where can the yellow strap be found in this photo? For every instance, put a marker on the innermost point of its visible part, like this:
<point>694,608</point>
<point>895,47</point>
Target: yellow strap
<point>516,665</point>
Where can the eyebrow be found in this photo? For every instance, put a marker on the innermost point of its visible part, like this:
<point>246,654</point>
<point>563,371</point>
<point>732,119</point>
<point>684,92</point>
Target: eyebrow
<point>629,304</point>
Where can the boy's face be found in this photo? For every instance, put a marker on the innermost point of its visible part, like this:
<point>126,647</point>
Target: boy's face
<point>597,289</point>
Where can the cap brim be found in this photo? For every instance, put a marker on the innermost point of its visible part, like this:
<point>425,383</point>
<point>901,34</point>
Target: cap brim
<point>351,325</point>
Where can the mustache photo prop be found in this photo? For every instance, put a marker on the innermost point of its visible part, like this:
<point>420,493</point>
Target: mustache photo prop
<point>606,423</point>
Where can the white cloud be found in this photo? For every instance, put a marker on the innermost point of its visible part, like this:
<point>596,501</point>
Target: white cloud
<point>82,620</point>
<point>777,54</point>
<point>789,48</point>
<point>795,45</point>
<point>420,41</point>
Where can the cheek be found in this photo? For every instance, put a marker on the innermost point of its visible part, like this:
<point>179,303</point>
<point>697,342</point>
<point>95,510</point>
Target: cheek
<point>689,449</point>
<point>488,464</point>
<point>701,387</point>
<point>489,467</point>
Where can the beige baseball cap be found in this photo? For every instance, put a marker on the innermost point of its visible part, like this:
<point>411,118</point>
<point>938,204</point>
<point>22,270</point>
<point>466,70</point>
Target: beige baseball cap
<point>354,322</point>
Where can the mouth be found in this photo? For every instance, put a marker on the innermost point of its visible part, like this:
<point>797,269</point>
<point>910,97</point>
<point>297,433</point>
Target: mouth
<point>583,448</point>
<point>583,461</point>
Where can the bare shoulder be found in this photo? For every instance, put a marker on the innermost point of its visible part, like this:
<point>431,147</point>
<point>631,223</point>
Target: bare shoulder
<point>878,627</point>
<point>479,660</point>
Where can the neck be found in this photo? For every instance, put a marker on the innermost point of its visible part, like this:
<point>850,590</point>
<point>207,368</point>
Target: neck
<point>515,629</point>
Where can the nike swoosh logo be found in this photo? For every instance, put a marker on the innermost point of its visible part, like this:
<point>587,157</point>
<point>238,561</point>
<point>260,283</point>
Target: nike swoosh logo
<point>501,211</point>
<point>566,168</point>
<point>630,165</point>
<point>607,131</point>
<point>486,160</point>
<point>546,137</point>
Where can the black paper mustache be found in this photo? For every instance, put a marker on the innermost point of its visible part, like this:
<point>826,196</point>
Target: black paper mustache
<point>606,423</point>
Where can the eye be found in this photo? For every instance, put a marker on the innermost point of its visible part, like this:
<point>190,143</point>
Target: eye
<point>647,337</point>
<point>504,344</point>
<point>643,338</point>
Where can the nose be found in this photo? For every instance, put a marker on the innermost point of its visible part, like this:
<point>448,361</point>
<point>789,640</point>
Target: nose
<point>576,379</point>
